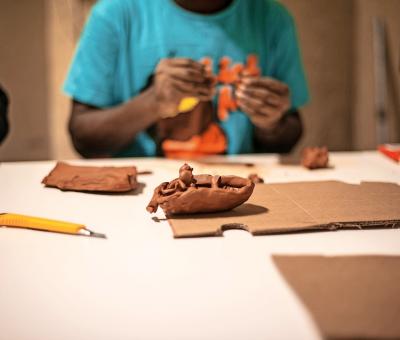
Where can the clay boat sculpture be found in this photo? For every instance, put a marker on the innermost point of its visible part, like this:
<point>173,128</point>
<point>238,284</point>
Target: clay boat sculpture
<point>191,194</point>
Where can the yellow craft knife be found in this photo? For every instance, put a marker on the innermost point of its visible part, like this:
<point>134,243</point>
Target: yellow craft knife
<point>37,223</point>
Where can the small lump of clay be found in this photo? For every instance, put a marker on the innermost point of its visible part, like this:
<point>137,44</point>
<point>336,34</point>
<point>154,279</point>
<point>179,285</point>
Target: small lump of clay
<point>315,157</point>
<point>190,194</point>
<point>255,178</point>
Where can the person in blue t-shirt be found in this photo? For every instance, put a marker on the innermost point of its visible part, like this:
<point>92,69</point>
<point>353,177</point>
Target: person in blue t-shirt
<point>185,78</point>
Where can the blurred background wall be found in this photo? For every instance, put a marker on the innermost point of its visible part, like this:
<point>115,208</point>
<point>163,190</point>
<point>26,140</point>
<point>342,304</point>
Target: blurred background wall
<point>23,72</point>
<point>363,114</point>
<point>326,33</point>
<point>38,37</point>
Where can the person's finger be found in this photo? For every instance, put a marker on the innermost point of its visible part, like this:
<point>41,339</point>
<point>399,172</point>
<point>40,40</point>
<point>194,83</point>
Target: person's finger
<point>165,67</point>
<point>257,118</point>
<point>270,111</point>
<point>261,93</point>
<point>255,102</point>
<point>191,89</point>
<point>270,83</point>
<point>186,74</point>
<point>184,62</point>
<point>281,102</point>
<point>247,108</point>
<point>196,88</point>
<point>205,95</point>
<point>205,98</point>
<point>265,110</point>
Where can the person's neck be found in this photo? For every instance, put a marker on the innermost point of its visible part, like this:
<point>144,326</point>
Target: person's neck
<point>204,6</point>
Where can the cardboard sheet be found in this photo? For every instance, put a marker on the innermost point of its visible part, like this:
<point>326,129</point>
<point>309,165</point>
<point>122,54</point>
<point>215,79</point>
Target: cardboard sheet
<point>301,206</point>
<point>349,297</point>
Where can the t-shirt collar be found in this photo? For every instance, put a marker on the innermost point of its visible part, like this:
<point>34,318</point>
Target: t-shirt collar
<point>199,16</point>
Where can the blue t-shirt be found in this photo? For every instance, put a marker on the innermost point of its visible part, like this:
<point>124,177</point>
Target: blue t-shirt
<point>124,40</point>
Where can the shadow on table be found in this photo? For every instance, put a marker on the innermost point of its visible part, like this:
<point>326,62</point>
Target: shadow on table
<point>295,160</point>
<point>137,191</point>
<point>246,209</point>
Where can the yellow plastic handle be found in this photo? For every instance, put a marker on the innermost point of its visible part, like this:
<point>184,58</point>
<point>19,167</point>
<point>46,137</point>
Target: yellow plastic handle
<point>187,104</point>
<point>22,221</point>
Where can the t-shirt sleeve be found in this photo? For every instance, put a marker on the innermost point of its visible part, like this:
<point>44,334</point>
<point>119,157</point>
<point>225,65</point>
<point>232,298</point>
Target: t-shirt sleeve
<point>91,76</point>
<point>289,66</point>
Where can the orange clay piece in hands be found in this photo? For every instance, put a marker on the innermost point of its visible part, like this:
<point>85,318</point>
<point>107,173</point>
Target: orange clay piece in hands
<point>208,65</point>
<point>252,69</point>
<point>232,75</point>
<point>237,70</point>
<point>226,102</point>
<point>226,74</point>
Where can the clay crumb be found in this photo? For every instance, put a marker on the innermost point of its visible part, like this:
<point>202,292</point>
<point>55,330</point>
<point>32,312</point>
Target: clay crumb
<point>255,178</point>
<point>315,157</point>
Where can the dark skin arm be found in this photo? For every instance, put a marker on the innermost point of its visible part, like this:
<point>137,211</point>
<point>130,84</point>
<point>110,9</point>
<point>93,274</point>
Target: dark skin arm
<point>102,132</point>
<point>283,138</point>
<point>266,101</point>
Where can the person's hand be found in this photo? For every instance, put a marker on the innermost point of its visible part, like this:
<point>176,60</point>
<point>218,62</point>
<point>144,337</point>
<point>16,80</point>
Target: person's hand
<point>264,100</point>
<point>178,78</point>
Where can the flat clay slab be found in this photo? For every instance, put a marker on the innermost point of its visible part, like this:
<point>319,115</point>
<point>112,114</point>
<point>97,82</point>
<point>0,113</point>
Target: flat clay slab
<point>92,178</point>
<point>301,206</point>
<point>349,297</point>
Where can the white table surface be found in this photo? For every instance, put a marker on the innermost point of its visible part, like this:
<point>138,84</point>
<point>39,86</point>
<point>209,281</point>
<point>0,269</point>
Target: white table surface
<point>141,283</point>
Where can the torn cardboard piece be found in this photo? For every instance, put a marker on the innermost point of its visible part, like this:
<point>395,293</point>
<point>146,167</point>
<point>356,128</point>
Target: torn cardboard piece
<point>301,206</point>
<point>349,297</point>
<point>92,178</point>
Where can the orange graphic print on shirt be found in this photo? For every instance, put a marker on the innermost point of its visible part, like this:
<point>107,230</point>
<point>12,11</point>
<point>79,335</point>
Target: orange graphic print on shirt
<point>213,140</point>
<point>229,76</point>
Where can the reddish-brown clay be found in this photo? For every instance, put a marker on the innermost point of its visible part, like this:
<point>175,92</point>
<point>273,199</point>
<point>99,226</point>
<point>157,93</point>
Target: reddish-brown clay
<point>92,178</point>
<point>255,178</point>
<point>191,194</point>
<point>315,157</point>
